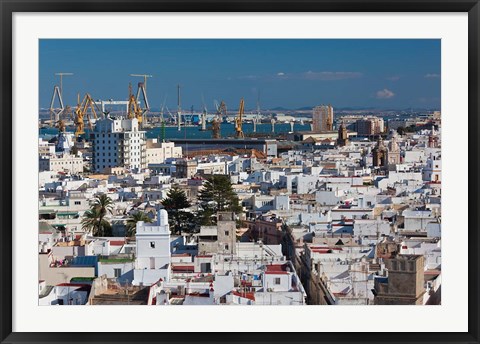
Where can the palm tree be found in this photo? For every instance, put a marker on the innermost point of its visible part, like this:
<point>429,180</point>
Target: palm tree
<point>94,218</point>
<point>133,219</point>
<point>91,223</point>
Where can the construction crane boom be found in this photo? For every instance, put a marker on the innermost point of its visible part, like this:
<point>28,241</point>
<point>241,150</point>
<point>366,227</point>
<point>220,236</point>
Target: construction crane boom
<point>55,113</point>
<point>221,110</point>
<point>144,76</point>
<point>239,120</point>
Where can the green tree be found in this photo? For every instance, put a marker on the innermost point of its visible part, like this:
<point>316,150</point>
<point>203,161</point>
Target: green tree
<point>74,150</point>
<point>217,195</point>
<point>133,219</point>
<point>174,204</point>
<point>94,219</point>
<point>92,224</point>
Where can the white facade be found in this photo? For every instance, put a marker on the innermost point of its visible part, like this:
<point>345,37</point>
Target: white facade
<point>416,220</point>
<point>118,143</point>
<point>158,152</point>
<point>152,251</point>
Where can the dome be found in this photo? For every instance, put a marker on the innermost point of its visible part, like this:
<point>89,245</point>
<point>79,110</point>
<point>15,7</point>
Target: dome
<point>163,217</point>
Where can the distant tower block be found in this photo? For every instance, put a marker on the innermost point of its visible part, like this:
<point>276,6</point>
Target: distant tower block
<point>273,125</point>
<point>291,125</point>
<point>322,118</point>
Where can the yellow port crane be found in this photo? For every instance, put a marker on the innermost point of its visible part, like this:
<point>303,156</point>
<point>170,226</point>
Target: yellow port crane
<point>239,120</point>
<point>134,108</point>
<point>81,112</point>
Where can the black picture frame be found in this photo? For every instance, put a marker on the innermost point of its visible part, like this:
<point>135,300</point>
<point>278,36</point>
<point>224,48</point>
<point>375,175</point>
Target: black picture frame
<point>8,7</point>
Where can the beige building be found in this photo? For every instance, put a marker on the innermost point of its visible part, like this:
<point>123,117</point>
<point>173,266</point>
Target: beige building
<point>54,273</point>
<point>158,152</point>
<point>61,163</point>
<point>322,118</point>
<point>186,168</point>
<point>405,282</point>
<point>221,238</point>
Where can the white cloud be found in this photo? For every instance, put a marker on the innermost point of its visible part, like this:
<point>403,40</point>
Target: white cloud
<point>394,78</point>
<point>249,77</point>
<point>310,75</point>
<point>432,75</point>
<point>385,94</point>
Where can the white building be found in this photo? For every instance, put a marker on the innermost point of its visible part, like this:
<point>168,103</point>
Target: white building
<point>118,143</point>
<point>45,148</point>
<point>152,261</point>
<point>158,152</point>
<point>432,172</point>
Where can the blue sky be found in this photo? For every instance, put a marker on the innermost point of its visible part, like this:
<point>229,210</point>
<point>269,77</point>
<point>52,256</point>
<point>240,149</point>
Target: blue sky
<point>287,73</point>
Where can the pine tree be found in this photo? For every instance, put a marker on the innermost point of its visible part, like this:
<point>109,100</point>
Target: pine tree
<point>174,204</point>
<point>217,195</point>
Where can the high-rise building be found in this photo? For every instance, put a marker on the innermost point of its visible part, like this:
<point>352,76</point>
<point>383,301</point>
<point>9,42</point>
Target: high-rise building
<point>322,118</point>
<point>118,143</point>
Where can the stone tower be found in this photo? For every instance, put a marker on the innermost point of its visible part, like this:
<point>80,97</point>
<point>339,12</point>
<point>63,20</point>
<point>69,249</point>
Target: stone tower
<point>342,139</point>
<point>379,154</point>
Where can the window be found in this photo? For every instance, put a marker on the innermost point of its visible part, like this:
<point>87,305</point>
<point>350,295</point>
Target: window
<point>226,246</point>
<point>117,272</point>
<point>227,233</point>
<point>277,280</point>
<point>152,244</point>
<point>78,202</point>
